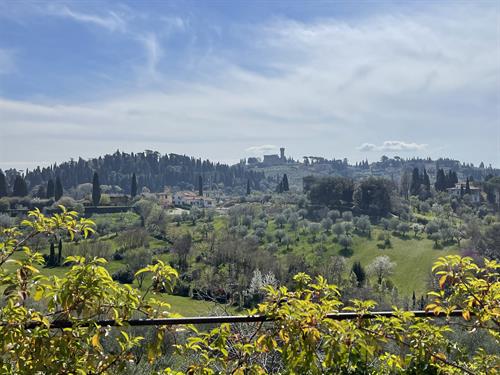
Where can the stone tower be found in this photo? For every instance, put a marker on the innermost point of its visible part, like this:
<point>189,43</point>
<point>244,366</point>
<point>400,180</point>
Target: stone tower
<point>282,153</point>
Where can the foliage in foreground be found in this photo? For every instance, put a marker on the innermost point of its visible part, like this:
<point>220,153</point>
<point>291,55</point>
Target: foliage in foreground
<point>301,340</point>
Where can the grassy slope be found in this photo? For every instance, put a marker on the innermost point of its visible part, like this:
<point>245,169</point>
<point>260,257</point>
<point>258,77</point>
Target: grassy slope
<point>182,305</point>
<point>413,257</point>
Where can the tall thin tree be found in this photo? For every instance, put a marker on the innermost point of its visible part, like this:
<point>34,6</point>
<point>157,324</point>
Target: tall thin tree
<point>58,191</point>
<point>133,186</point>
<point>467,186</point>
<point>96,190</point>
<point>285,183</point>
<point>200,186</point>
<point>20,189</point>
<point>59,252</point>
<point>50,189</point>
<point>415,182</point>
<point>3,185</point>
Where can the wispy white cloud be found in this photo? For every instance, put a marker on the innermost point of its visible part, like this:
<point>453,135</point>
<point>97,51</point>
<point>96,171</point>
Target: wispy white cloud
<point>261,150</point>
<point>395,146</point>
<point>320,88</point>
<point>153,53</point>
<point>111,21</point>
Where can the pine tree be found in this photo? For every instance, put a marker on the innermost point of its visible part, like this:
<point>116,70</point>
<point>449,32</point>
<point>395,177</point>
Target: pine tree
<point>20,189</point>
<point>248,186</point>
<point>133,186</point>
<point>415,182</point>
<point>96,190</point>
<point>285,183</point>
<point>50,189</point>
<point>200,186</point>
<point>58,191</point>
<point>3,185</point>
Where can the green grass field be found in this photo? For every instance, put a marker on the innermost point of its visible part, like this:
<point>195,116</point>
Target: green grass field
<point>181,305</point>
<point>414,257</point>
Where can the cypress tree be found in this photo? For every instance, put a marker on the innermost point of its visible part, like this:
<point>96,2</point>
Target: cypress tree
<point>58,191</point>
<point>414,300</point>
<point>248,186</point>
<point>359,272</point>
<point>20,189</point>
<point>41,192</point>
<point>133,187</point>
<point>59,252</point>
<point>452,179</point>
<point>3,185</point>
<point>96,190</point>
<point>426,181</point>
<point>415,182</point>
<point>200,186</point>
<point>467,186</point>
<point>285,183</point>
<point>422,303</point>
<point>50,189</point>
<point>279,188</point>
<point>440,184</point>
<point>52,255</point>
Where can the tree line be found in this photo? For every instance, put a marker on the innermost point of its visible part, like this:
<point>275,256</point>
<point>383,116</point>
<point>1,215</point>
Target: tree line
<point>152,169</point>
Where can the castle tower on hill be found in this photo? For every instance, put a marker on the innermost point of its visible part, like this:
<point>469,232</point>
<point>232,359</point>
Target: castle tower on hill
<point>282,153</point>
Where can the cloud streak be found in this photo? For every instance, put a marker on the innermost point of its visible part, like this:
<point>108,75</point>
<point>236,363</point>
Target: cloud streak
<point>111,21</point>
<point>261,150</point>
<point>393,146</point>
<point>314,87</point>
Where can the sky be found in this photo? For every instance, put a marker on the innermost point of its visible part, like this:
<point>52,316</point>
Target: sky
<point>226,80</point>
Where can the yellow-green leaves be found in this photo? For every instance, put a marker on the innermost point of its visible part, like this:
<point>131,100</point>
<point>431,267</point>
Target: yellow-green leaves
<point>85,294</point>
<point>163,276</point>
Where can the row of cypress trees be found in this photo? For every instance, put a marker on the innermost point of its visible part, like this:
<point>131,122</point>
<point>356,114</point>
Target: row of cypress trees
<point>445,181</point>
<point>54,189</point>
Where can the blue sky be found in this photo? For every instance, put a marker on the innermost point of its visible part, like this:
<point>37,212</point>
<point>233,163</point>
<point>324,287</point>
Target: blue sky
<point>229,79</point>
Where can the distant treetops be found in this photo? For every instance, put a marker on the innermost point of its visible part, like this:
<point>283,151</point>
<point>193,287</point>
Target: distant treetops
<point>282,185</point>
<point>54,190</point>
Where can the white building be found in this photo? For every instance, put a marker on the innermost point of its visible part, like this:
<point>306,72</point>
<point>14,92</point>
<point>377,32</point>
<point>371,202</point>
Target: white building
<point>459,191</point>
<point>188,198</point>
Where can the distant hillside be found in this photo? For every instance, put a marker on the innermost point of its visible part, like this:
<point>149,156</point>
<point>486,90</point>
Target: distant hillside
<point>153,170</point>
<point>391,168</point>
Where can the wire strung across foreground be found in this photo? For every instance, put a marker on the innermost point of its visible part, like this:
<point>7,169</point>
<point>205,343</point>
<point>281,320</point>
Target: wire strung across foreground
<point>231,319</point>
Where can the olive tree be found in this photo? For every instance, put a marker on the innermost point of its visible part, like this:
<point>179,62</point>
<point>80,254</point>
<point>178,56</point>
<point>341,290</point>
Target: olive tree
<point>381,267</point>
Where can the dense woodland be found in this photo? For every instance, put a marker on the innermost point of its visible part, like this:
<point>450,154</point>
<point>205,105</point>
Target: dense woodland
<point>153,170</point>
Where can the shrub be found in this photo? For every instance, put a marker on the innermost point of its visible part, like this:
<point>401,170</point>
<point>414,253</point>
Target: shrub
<point>4,204</point>
<point>89,249</point>
<point>124,276</point>
<point>134,238</point>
